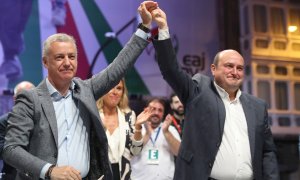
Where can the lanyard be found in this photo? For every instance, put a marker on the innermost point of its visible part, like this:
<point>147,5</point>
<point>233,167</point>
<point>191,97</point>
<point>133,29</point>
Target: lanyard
<point>176,124</point>
<point>153,142</point>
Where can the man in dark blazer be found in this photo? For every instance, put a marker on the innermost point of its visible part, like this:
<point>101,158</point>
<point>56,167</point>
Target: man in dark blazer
<point>8,172</point>
<point>54,130</point>
<point>227,135</point>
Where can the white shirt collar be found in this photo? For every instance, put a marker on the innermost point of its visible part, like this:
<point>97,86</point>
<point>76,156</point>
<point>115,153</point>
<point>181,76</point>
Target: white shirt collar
<point>224,95</point>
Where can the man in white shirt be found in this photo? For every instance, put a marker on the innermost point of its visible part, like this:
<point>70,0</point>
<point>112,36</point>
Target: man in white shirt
<point>161,144</point>
<point>227,135</point>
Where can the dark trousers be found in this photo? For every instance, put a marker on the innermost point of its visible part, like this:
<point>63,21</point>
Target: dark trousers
<point>116,171</point>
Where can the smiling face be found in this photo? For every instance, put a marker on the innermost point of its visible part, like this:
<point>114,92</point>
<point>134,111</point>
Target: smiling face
<point>228,71</point>
<point>113,97</point>
<point>158,111</point>
<point>61,62</point>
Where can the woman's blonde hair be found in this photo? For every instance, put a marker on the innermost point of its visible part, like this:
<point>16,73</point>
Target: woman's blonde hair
<point>124,102</point>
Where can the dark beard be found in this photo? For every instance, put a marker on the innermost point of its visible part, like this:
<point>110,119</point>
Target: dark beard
<point>175,111</point>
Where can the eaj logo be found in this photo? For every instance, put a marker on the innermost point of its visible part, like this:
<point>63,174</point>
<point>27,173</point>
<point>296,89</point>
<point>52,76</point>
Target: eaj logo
<point>193,64</point>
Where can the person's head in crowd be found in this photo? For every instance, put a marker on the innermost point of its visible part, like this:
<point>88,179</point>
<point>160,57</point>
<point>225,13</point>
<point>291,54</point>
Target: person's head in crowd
<point>116,97</point>
<point>157,105</point>
<point>24,85</point>
<point>176,105</point>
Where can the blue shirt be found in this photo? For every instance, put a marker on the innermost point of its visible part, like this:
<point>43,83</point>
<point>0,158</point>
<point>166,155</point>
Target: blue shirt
<point>73,142</point>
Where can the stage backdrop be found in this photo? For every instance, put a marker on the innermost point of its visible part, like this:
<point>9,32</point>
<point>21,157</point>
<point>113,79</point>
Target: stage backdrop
<point>102,27</point>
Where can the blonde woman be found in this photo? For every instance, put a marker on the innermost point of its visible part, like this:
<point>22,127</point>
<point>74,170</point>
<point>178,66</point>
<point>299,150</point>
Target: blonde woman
<point>123,129</point>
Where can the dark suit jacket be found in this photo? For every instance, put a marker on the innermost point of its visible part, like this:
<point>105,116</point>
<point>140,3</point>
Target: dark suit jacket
<point>205,114</point>
<point>7,171</point>
<point>31,138</point>
<point>3,124</point>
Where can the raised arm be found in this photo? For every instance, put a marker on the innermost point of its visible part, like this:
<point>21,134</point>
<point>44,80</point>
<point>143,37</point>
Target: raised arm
<point>173,142</point>
<point>110,76</point>
<point>178,79</point>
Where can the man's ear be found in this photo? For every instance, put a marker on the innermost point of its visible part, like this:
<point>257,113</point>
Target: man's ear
<point>45,62</point>
<point>213,68</point>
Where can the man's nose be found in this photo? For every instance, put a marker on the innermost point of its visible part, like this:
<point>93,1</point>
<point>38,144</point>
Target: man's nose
<point>234,70</point>
<point>67,61</point>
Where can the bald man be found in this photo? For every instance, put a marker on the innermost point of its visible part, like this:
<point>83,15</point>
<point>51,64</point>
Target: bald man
<point>8,172</point>
<point>227,135</point>
<point>24,85</point>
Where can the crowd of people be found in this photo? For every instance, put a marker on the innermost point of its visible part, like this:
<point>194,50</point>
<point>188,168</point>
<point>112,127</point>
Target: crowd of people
<point>68,128</point>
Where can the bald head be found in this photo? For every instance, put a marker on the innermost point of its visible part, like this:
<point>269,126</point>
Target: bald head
<point>24,85</point>
<point>228,71</point>
<point>223,53</point>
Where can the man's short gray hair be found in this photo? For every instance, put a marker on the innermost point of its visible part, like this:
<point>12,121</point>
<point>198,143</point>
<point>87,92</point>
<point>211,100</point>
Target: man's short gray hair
<point>59,37</point>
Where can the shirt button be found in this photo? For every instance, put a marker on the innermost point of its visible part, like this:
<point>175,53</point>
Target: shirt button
<point>210,165</point>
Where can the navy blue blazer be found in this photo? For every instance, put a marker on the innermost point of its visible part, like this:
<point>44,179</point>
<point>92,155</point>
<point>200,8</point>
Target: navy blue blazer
<point>205,117</point>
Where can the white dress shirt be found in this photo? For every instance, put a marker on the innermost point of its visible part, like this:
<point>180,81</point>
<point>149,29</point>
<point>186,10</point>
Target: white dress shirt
<point>233,160</point>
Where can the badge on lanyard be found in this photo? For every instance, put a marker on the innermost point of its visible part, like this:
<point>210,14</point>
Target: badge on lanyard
<point>153,153</point>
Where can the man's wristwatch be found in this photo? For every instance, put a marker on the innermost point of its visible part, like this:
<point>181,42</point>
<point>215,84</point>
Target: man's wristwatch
<point>48,173</point>
<point>143,28</point>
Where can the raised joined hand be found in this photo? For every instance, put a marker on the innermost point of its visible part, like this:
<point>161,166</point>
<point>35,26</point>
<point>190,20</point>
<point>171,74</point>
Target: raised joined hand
<point>145,10</point>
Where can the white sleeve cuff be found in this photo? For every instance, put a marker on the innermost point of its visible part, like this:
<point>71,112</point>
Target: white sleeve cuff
<point>44,170</point>
<point>163,34</point>
<point>142,34</point>
<point>137,143</point>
